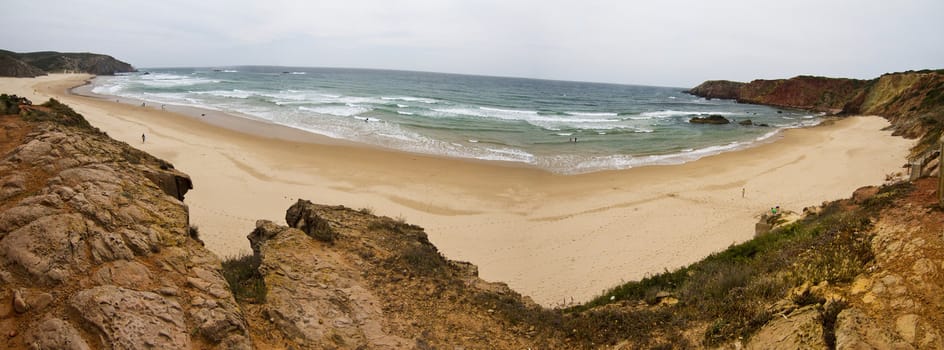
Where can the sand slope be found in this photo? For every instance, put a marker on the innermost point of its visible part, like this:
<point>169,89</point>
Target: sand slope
<point>556,238</point>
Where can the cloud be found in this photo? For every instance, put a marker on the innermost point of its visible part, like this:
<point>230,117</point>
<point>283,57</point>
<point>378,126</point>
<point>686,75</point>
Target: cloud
<point>663,43</point>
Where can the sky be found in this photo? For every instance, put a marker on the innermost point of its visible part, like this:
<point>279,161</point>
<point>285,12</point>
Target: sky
<point>664,43</point>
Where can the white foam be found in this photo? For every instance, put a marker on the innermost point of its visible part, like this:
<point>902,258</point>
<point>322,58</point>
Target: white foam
<point>565,133</point>
<point>230,71</point>
<point>548,122</point>
<point>164,80</point>
<point>235,93</point>
<point>591,114</point>
<point>340,111</point>
<point>409,99</point>
<point>507,154</point>
<point>298,73</point>
<point>404,113</point>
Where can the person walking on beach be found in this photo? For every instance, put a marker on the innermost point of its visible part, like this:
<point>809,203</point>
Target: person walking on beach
<point>142,138</point>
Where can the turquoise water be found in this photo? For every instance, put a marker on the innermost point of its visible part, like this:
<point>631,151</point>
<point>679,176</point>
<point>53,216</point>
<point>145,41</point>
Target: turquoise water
<point>491,118</point>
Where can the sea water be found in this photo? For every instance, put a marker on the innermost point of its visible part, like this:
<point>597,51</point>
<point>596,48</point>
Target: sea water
<point>530,121</point>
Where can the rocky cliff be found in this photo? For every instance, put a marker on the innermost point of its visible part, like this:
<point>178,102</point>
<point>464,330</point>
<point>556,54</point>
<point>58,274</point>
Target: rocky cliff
<point>802,92</point>
<point>93,252</point>
<point>33,64</point>
<point>913,101</point>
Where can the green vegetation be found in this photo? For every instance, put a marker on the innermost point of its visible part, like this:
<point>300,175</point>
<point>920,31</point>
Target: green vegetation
<point>242,274</point>
<point>730,291</point>
<point>10,104</point>
<point>55,111</point>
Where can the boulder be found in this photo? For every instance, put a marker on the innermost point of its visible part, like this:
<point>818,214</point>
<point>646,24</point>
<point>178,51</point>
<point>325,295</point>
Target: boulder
<point>746,122</point>
<point>303,216</point>
<point>863,194</point>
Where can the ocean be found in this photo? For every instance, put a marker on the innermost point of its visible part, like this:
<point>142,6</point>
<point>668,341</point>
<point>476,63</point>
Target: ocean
<point>529,121</point>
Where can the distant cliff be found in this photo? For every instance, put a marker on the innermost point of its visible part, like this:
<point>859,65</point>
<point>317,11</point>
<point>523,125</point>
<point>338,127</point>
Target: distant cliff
<point>913,101</point>
<point>34,64</point>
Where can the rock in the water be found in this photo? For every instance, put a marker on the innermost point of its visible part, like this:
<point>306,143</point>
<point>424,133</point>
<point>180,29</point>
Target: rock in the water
<point>746,122</point>
<point>711,119</point>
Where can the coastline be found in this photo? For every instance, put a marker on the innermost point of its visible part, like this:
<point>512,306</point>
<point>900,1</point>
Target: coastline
<point>553,237</point>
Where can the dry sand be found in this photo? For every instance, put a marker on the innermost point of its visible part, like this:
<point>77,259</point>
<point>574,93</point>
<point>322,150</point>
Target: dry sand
<point>556,238</point>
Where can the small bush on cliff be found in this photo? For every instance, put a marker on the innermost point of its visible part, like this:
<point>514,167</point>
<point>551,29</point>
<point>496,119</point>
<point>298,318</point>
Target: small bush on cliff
<point>242,274</point>
<point>55,111</point>
<point>10,104</point>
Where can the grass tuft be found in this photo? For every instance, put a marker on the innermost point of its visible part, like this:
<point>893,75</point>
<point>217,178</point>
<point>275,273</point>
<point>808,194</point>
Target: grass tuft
<point>242,274</point>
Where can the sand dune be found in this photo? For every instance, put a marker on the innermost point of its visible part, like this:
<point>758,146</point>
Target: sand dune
<point>556,238</point>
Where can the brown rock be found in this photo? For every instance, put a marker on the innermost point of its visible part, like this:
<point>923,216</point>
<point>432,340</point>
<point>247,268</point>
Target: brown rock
<point>123,273</point>
<point>802,329</point>
<point>855,330</point>
<point>172,182</point>
<point>19,302</point>
<point>863,194</point>
<point>303,216</point>
<point>129,319</point>
<point>54,333</point>
<point>343,313</point>
<point>40,301</point>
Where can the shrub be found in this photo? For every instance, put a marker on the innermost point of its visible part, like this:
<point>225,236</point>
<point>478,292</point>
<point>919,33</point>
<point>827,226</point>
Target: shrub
<point>242,274</point>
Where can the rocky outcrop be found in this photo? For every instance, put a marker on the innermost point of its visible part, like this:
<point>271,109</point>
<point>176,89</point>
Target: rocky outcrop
<point>93,253</point>
<point>379,285</point>
<point>723,89</point>
<point>33,64</point>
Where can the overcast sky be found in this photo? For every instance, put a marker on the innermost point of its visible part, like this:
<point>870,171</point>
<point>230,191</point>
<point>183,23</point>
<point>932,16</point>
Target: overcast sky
<point>668,43</point>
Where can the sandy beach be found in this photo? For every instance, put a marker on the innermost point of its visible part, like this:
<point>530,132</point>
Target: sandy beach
<point>555,238</point>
